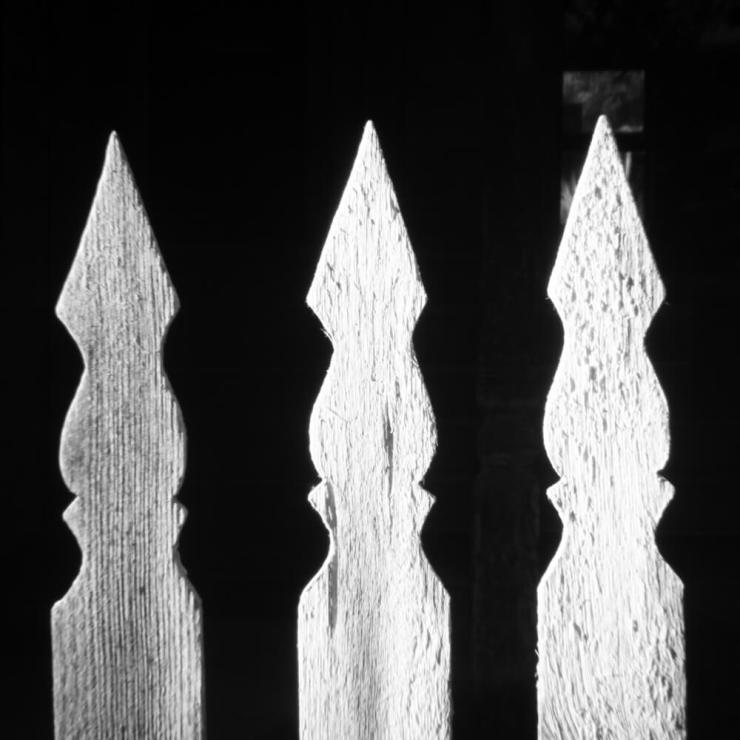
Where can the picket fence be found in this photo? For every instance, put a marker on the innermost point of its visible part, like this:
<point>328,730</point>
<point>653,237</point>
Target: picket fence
<point>372,628</point>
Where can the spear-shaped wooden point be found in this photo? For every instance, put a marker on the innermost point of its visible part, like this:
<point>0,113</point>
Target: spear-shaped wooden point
<point>373,645</point>
<point>610,622</point>
<point>126,637</point>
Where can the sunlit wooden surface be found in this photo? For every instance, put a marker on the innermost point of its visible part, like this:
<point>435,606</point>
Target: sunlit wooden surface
<point>373,645</point>
<point>610,624</point>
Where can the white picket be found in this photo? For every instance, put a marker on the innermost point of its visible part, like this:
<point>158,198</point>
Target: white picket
<point>127,635</point>
<point>373,624</point>
<point>610,622</point>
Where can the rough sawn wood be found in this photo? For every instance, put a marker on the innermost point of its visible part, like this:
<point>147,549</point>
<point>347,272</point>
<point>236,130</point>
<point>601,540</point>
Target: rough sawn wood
<point>610,624</point>
<point>373,646</point>
<point>127,635</point>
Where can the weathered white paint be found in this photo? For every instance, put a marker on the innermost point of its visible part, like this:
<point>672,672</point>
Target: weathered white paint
<point>610,624</point>
<point>127,635</point>
<point>373,645</point>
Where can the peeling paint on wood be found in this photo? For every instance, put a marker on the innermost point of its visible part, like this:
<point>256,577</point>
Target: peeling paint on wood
<point>373,624</point>
<point>127,635</point>
<point>610,621</point>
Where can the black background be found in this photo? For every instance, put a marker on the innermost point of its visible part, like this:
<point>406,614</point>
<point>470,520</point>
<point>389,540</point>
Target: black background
<point>240,122</point>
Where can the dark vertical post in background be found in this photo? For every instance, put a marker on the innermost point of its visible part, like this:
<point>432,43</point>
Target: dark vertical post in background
<point>519,345</point>
<point>443,147</point>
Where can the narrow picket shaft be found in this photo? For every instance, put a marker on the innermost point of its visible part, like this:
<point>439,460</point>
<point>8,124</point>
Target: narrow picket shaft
<point>610,621</point>
<point>126,637</point>
<point>373,624</point>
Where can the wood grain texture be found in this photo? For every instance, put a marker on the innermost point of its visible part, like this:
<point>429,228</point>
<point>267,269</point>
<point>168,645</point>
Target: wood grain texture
<point>610,622</point>
<point>127,635</point>
<point>373,624</point>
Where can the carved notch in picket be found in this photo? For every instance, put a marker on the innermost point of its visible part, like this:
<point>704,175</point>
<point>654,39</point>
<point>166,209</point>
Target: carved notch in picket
<point>127,635</point>
<point>610,621</point>
<point>373,624</point>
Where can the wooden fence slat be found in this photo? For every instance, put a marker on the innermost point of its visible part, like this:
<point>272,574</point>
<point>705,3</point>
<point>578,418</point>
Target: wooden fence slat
<point>127,635</point>
<point>373,624</point>
<point>610,621</point>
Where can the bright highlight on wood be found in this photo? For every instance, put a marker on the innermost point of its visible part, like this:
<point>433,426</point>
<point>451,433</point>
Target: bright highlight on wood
<point>127,635</point>
<point>610,621</point>
<point>373,645</point>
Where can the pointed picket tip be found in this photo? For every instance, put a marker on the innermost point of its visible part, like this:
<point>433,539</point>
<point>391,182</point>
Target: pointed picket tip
<point>603,129</point>
<point>367,250</point>
<point>604,246</point>
<point>369,135</point>
<point>115,157</point>
<point>370,149</point>
<point>117,251</point>
<point>114,142</point>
